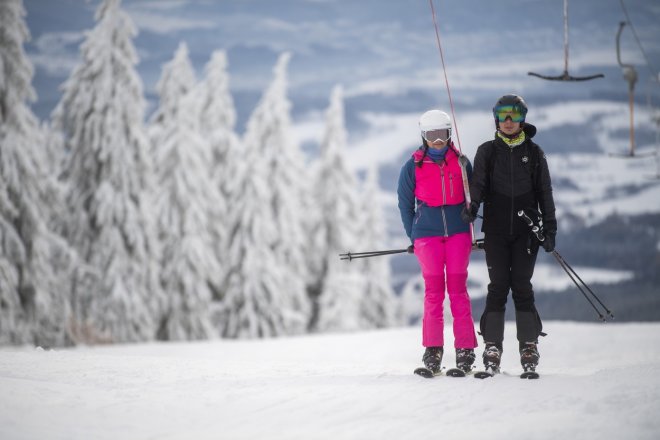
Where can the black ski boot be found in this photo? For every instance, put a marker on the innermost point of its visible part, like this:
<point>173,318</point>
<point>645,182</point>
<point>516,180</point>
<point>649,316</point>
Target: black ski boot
<point>464,359</point>
<point>492,357</point>
<point>433,359</point>
<point>529,359</point>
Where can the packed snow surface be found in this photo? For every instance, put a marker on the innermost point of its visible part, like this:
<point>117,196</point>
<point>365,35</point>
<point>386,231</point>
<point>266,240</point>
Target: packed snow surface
<point>598,381</point>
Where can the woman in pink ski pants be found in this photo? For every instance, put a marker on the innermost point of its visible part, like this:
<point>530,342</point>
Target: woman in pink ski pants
<point>431,196</point>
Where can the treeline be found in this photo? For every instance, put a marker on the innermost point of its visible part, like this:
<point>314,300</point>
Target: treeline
<point>118,229</point>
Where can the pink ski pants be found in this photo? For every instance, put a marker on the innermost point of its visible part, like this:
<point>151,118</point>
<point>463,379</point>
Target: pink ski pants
<point>444,262</point>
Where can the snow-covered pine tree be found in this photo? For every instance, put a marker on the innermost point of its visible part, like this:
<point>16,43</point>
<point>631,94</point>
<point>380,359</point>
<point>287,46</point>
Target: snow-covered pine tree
<point>264,293</point>
<point>270,124</point>
<point>35,263</point>
<point>378,303</point>
<point>186,197</point>
<point>101,116</point>
<point>341,283</point>
<point>218,111</point>
<point>218,119</point>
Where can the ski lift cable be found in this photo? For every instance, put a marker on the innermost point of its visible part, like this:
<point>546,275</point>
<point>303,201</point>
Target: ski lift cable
<point>654,72</point>
<point>462,159</point>
<point>444,69</point>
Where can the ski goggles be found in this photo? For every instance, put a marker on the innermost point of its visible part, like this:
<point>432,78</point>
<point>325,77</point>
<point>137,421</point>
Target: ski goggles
<point>514,112</point>
<point>440,134</point>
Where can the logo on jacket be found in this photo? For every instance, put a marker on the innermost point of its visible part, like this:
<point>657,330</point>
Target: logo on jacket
<point>525,159</point>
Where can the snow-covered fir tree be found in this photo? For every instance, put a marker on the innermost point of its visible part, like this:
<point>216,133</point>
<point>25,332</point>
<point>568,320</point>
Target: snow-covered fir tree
<point>218,119</point>
<point>265,287</point>
<point>338,294</point>
<point>288,179</point>
<point>35,263</point>
<point>186,196</point>
<point>378,303</point>
<point>101,117</point>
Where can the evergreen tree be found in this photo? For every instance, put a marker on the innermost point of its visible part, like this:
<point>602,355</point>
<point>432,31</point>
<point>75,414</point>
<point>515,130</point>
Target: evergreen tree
<point>101,117</point>
<point>338,296</point>
<point>218,119</point>
<point>264,294</point>
<point>288,177</point>
<point>218,112</point>
<point>35,263</point>
<point>378,305</point>
<point>186,198</point>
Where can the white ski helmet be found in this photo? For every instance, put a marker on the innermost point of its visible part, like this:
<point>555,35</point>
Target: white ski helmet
<point>434,120</point>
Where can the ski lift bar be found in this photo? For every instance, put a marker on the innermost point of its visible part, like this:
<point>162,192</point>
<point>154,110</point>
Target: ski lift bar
<point>565,76</point>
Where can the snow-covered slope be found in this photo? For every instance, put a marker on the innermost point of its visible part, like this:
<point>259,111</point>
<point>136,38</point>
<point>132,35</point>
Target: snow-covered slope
<point>599,381</point>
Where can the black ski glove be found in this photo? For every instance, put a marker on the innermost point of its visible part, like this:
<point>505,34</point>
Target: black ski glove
<point>411,249</point>
<point>468,215</point>
<point>549,242</point>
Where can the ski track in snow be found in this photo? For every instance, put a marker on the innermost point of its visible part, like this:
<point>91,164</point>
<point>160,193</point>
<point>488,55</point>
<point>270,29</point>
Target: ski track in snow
<point>599,381</point>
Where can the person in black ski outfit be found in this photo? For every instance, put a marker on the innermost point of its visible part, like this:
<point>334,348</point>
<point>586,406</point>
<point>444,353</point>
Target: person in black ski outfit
<point>511,174</point>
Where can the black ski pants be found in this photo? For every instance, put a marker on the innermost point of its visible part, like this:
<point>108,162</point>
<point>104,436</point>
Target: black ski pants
<point>510,268</point>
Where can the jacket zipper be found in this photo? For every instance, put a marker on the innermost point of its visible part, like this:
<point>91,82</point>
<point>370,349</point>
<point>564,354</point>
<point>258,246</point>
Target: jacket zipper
<point>451,185</point>
<point>512,190</point>
<point>444,201</point>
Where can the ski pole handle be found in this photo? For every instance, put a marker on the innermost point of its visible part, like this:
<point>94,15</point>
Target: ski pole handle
<point>525,217</point>
<point>535,229</point>
<point>537,232</point>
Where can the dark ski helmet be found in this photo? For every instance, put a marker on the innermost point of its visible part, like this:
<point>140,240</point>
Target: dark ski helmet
<point>513,102</point>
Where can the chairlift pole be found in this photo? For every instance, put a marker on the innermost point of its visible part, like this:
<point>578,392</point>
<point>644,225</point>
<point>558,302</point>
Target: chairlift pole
<point>566,37</point>
<point>656,119</point>
<point>630,75</point>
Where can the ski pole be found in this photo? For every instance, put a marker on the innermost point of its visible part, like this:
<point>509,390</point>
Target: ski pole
<point>567,268</point>
<point>560,261</point>
<point>354,255</point>
<point>463,161</point>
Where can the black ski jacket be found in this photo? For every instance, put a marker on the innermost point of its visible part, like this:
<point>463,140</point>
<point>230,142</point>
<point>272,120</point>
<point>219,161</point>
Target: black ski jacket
<point>509,179</point>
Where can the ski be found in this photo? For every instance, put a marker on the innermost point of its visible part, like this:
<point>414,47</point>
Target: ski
<point>488,372</point>
<point>426,373</point>
<point>529,373</point>
<point>457,372</point>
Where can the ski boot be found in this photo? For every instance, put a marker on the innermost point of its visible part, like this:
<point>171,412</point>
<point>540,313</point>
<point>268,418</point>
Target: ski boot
<point>464,359</point>
<point>433,358</point>
<point>492,356</point>
<point>529,359</point>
